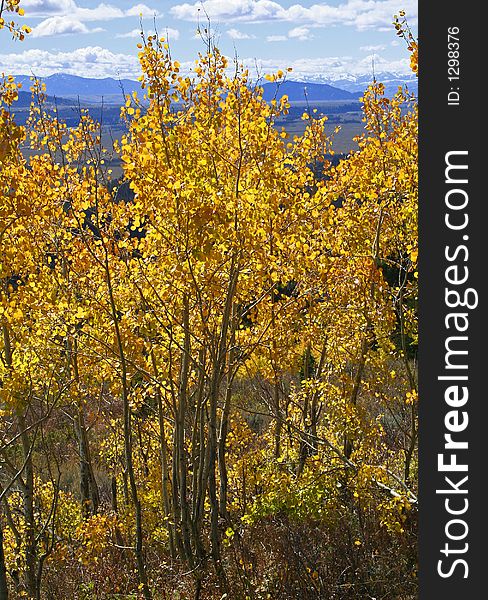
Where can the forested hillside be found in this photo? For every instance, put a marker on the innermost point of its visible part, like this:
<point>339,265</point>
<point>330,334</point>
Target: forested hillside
<point>208,389</point>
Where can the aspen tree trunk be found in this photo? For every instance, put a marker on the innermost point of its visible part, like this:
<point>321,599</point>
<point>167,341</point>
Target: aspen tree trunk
<point>138,548</point>
<point>224,428</point>
<point>304,441</point>
<point>89,489</point>
<point>3,570</point>
<point>28,501</point>
<point>163,455</point>
<point>308,445</point>
<point>365,342</point>
<point>278,423</point>
<point>212,485</point>
<point>413,434</point>
<point>175,487</point>
<point>314,409</point>
<point>180,452</point>
<point>199,467</point>
<point>90,497</point>
<point>275,367</point>
<point>217,374</point>
<point>198,462</point>
<point>16,567</point>
<point>222,446</point>
<point>27,486</point>
<point>113,494</point>
<point>276,392</point>
<point>353,399</point>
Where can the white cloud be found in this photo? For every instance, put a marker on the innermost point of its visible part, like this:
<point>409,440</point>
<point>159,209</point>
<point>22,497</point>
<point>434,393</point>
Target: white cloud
<point>70,9</point>
<point>362,14</point>
<point>377,48</point>
<point>95,61</point>
<point>300,33</point>
<point>168,33</point>
<point>61,26</point>
<point>330,68</point>
<point>141,9</point>
<point>43,8</point>
<point>235,34</point>
<point>227,10</point>
<point>134,33</point>
<point>297,33</point>
<point>91,61</point>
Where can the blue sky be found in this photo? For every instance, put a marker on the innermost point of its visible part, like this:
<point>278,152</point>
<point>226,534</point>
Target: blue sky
<point>319,40</point>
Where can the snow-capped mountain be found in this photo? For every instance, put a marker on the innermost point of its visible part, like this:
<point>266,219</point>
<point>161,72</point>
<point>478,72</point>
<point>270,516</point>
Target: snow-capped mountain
<point>358,83</point>
<point>320,87</point>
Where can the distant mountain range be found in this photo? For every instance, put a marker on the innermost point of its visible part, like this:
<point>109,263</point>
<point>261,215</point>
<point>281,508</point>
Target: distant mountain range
<point>313,92</point>
<point>62,85</point>
<point>358,83</point>
<point>25,99</point>
<point>321,89</point>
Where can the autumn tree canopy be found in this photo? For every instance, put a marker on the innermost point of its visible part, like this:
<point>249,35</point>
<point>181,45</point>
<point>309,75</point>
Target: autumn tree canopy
<point>207,386</point>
